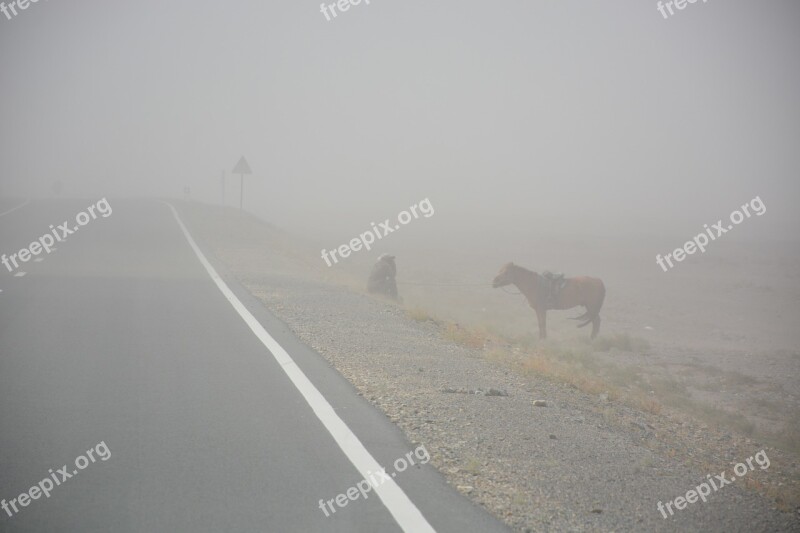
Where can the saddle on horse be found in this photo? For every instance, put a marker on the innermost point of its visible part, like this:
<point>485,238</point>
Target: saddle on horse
<point>552,283</point>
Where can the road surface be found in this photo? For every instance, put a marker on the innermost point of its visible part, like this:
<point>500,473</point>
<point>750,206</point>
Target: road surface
<point>121,336</point>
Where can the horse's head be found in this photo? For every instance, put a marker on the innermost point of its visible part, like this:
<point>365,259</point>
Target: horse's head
<point>505,276</point>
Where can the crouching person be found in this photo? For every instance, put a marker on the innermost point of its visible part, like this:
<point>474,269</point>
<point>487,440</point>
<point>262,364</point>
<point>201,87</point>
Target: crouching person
<point>382,277</point>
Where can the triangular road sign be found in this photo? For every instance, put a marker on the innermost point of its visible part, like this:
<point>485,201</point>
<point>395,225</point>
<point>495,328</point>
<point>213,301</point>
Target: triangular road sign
<point>242,167</point>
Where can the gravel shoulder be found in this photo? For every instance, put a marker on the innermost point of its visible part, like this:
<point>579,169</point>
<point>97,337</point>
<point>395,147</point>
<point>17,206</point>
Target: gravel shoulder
<point>580,463</point>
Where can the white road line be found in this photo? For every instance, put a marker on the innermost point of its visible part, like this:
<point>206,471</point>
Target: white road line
<point>23,204</point>
<point>405,513</point>
<point>19,274</point>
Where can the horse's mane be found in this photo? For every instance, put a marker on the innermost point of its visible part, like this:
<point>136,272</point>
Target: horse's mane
<point>523,269</point>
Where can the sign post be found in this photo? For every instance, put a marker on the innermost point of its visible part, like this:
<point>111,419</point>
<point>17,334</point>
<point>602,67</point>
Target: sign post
<point>242,168</point>
<point>222,182</point>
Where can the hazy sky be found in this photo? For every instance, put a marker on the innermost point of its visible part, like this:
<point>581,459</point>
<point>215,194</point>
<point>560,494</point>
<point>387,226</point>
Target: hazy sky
<point>595,115</point>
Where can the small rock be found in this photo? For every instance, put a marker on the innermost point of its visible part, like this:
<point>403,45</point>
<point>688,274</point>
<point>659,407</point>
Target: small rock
<point>597,511</point>
<point>539,403</point>
<point>467,489</point>
<point>496,392</point>
<point>553,437</point>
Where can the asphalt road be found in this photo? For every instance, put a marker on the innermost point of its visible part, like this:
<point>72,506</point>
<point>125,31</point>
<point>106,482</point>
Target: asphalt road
<point>121,336</point>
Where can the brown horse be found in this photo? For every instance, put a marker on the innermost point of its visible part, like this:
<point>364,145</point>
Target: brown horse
<point>588,292</point>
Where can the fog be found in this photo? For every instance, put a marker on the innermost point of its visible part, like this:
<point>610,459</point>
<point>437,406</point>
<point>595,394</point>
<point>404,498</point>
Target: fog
<point>581,117</point>
<point>601,140</point>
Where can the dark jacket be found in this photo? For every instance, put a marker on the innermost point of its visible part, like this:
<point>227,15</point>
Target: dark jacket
<point>382,277</point>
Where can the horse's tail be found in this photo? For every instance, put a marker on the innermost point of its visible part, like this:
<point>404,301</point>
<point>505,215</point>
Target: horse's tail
<point>593,311</point>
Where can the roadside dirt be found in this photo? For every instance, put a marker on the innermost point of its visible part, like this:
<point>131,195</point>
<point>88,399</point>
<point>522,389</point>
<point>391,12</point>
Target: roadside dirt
<point>580,462</point>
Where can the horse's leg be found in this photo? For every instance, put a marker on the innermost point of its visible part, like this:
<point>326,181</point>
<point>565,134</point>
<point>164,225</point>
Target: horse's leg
<point>595,326</point>
<point>541,316</point>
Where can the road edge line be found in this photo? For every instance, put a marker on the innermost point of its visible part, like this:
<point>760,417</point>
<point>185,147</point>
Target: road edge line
<point>23,204</point>
<point>399,505</point>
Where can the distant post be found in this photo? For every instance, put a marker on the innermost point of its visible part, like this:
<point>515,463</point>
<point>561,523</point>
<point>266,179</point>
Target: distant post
<point>222,182</point>
<point>242,168</point>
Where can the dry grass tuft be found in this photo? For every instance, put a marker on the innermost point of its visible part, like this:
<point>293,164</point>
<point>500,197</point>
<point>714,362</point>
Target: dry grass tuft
<point>620,341</point>
<point>465,337</point>
<point>419,315</point>
<point>473,466</point>
<point>648,405</point>
<point>499,356</point>
<point>567,373</point>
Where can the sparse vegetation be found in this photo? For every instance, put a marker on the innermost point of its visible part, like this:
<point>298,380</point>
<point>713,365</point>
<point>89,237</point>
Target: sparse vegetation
<point>573,364</point>
<point>646,404</point>
<point>563,372</point>
<point>735,379</point>
<point>519,499</point>
<point>473,466</point>
<point>418,314</point>
<point>465,336</point>
<point>650,389</point>
<point>622,342</point>
<point>498,355</point>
